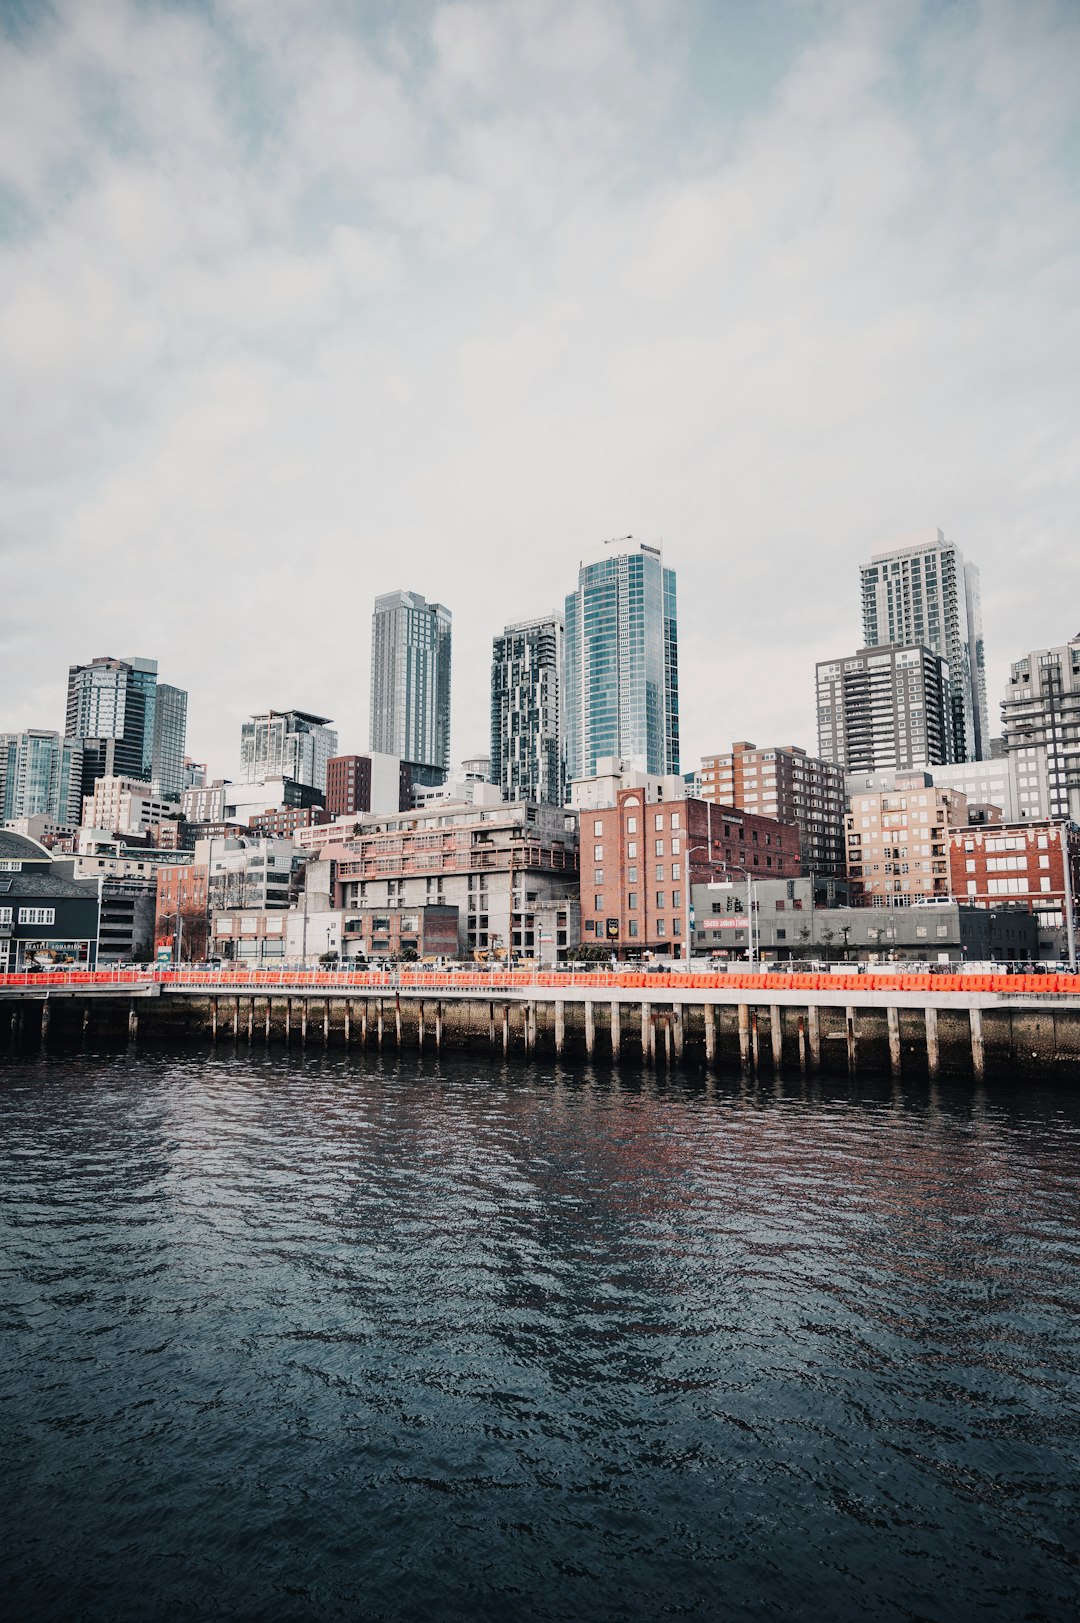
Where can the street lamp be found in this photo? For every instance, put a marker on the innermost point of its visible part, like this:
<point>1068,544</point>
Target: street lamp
<point>689,938</point>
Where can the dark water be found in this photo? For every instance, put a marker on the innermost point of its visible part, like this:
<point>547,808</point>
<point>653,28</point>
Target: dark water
<point>288,1340</point>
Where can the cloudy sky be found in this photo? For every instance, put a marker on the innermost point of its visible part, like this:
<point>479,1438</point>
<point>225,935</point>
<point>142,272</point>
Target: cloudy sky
<point>304,300</point>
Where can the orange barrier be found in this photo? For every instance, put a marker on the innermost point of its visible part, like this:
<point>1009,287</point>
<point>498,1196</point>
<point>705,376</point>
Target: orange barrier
<point>1057,984</point>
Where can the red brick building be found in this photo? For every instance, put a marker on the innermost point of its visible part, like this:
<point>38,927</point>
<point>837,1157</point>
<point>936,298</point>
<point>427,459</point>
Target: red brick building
<point>1023,863</point>
<point>638,856</point>
<point>283,822</point>
<point>181,908</point>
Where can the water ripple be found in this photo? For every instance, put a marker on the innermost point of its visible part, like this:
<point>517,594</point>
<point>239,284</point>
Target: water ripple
<point>352,1338</point>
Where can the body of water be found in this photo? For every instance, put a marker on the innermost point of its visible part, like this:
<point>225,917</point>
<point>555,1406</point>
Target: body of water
<point>334,1337</point>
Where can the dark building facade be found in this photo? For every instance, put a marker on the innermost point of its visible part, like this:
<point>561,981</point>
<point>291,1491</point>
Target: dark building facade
<point>47,916</point>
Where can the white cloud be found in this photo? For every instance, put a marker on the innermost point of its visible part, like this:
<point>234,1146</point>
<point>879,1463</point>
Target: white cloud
<point>298,311</point>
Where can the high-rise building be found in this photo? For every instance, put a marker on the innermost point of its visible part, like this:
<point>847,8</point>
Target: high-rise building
<point>170,741</point>
<point>527,761</point>
<point>110,706</point>
<point>921,591</point>
<point>622,678</point>
<point>40,776</point>
<point>883,708</point>
<point>1041,720</point>
<point>786,783</point>
<point>287,744</point>
<point>410,683</point>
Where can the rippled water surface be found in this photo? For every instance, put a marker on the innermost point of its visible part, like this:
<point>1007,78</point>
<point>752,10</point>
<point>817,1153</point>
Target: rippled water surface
<point>335,1338</point>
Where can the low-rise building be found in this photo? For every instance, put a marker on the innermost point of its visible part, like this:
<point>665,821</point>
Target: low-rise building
<point>47,915</point>
<point>248,872</point>
<point>638,856</point>
<point>181,912</point>
<point>1033,865</point>
<point>500,866</point>
<point>784,782</point>
<point>805,919</point>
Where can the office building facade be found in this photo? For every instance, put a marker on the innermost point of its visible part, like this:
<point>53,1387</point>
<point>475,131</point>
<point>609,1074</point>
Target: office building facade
<point>527,749</point>
<point>170,741</point>
<point>622,661</point>
<point>111,706</point>
<point>921,590</point>
<point>1041,721</point>
<point>40,776</point>
<point>786,783</point>
<point>885,708</point>
<point>410,683</point>
<point>287,744</point>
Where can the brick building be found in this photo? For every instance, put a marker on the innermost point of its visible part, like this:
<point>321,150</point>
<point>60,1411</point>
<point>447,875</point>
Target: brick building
<point>1023,863</point>
<point>898,844</point>
<point>283,822</point>
<point>181,909</point>
<point>636,858</point>
<point>786,783</point>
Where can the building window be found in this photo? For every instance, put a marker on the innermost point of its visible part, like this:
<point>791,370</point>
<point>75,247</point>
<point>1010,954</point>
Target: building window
<point>659,847</point>
<point>598,827</point>
<point>631,850</point>
<point>598,853</point>
<point>631,825</point>
<point>37,915</point>
<point>661,927</point>
<point>598,904</point>
<point>632,929</point>
<point>660,902</point>
<point>632,900</point>
<point>658,821</point>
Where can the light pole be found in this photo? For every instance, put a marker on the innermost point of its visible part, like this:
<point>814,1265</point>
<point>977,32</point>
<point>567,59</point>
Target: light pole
<point>1070,917</point>
<point>689,938</point>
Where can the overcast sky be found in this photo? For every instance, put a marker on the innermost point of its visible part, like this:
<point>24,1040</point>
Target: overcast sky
<point>305,300</point>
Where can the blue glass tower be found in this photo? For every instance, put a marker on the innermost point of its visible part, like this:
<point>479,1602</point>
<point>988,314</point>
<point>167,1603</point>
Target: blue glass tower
<point>622,676</point>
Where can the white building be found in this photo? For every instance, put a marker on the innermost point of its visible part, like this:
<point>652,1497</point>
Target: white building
<point>124,806</point>
<point>287,744</point>
<point>612,774</point>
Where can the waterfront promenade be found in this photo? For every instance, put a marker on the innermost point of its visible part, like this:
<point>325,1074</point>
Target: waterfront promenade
<point>973,1023</point>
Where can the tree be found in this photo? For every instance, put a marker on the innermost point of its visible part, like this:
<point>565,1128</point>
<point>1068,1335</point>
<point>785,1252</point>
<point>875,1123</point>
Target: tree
<point>828,936</point>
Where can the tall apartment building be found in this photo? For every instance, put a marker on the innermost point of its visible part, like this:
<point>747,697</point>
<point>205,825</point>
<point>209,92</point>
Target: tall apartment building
<point>40,776</point>
<point>1041,720</point>
<point>111,706</point>
<point>622,661</point>
<point>638,857</point>
<point>885,708</point>
<point>920,590</point>
<point>898,842</point>
<point>410,683</point>
<point>786,783</point>
<point>170,741</point>
<point>527,747</point>
<point>287,744</point>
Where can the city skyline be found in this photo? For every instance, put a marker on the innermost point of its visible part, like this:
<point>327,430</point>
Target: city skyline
<point>811,299</point>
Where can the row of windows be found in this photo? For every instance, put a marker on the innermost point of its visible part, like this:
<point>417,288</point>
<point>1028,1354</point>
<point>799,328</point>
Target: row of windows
<point>30,915</point>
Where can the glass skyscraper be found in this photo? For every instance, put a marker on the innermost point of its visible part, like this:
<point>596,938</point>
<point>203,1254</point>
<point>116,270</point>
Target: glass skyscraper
<point>922,591</point>
<point>622,661</point>
<point>170,740</point>
<point>40,776</point>
<point>410,683</point>
<point>110,706</point>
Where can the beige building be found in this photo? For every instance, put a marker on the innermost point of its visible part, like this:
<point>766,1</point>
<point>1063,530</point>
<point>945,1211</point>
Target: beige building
<point>898,842</point>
